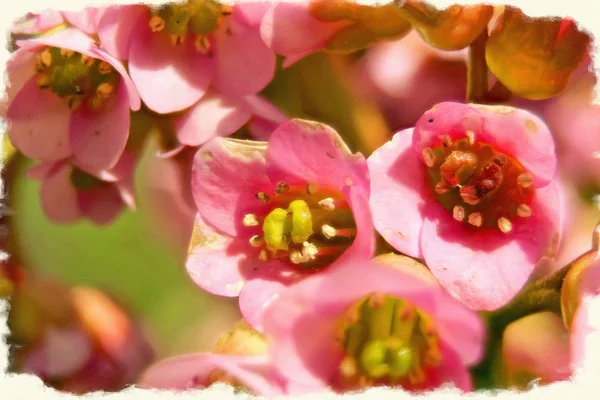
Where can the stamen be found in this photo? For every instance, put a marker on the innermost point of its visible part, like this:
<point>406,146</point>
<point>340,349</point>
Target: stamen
<point>500,159</point>
<point>441,188</point>
<point>95,102</point>
<point>311,188</point>
<point>44,82</point>
<point>263,255</point>
<point>475,219</point>
<point>262,197</point>
<point>73,102</point>
<point>309,251</point>
<point>327,204</point>
<point>282,187</point>
<point>296,257</point>
<point>331,232</point>
<point>177,39</point>
<point>156,23</point>
<point>250,220</point>
<point>446,140</point>
<point>428,157</point>
<point>505,225</point>
<point>471,137</point>
<point>525,180</point>
<point>66,53</point>
<point>104,68</point>
<point>46,57</point>
<point>104,90</point>
<point>524,211</point>
<point>202,44</point>
<point>257,241</point>
<point>87,60</point>
<point>328,231</point>
<point>458,213</point>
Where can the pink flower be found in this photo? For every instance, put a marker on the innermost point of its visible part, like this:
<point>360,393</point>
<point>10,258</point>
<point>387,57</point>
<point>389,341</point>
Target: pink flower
<point>69,194</point>
<point>31,23</point>
<point>470,190</point>
<point>201,370</point>
<point>273,213</point>
<point>365,323</point>
<point>175,52</point>
<point>68,98</point>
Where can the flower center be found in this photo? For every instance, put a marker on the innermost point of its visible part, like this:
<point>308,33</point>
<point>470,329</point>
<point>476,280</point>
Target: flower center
<point>306,226</point>
<point>480,186</point>
<point>196,17</point>
<point>387,341</point>
<point>75,77</point>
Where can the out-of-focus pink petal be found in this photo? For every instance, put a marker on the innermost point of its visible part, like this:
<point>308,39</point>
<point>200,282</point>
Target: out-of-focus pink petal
<point>98,138</point>
<point>115,29</point>
<point>69,38</point>
<point>226,175</point>
<point>86,20</point>
<point>58,195</point>
<point>516,132</point>
<point>486,269</point>
<point>39,123</point>
<point>251,12</point>
<point>265,118</point>
<point>244,64</point>
<point>213,115</point>
<point>451,370</point>
<point>169,78</point>
<point>40,171</point>
<point>399,193</point>
<point>289,29</point>
<point>100,205</point>
<point>32,23</point>
<point>19,70</point>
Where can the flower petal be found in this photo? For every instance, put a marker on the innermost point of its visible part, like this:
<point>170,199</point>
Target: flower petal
<point>100,205</point>
<point>134,97</point>
<point>169,78</point>
<point>69,38</point>
<point>32,23</point>
<point>486,269</point>
<point>98,138</point>
<point>399,193</point>
<point>85,20</point>
<point>115,29</point>
<point>213,115</point>
<point>39,123</point>
<point>58,196</point>
<point>19,70</point>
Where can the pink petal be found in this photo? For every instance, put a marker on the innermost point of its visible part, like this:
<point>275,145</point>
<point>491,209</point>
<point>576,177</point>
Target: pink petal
<point>169,78</point>
<point>516,132</point>
<point>69,38</point>
<point>289,29</point>
<point>581,329</point>
<point>58,196</point>
<point>40,171</point>
<point>486,269</point>
<point>32,23</point>
<point>39,123</point>
<point>399,193</point>
<point>262,108</point>
<point>116,27</point>
<point>451,370</point>
<point>98,138</point>
<point>134,97</point>
<point>244,64</point>
<point>85,20</point>
<point>101,205</point>
<point>213,115</point>
<point>226,175</point>
<point>251,12</point>
<point>19,70</point>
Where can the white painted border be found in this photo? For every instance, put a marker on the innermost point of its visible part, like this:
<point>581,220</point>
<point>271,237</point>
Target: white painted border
<point>587,383</point>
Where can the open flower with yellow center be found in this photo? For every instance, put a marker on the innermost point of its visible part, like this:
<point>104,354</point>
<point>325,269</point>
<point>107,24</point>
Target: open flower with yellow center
<point>472,191</point>
<point>272,213</point>
<point>69,98</point>
<point>178,49</point>
<point>368,324</point>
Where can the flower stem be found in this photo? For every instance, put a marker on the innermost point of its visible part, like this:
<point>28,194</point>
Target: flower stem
<point>477,70</point>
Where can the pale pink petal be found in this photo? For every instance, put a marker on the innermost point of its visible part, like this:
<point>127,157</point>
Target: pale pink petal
<point>486,269</point>
<point>101,205</point>
<point>262,108</point>
<point>85,20</point>
<point>98,138</point>
<point>32,23</point>
<point>19,69</point>
<point>213,115</point>
<point>169,78</point>
<point>69,38</point>
<point>115,29</point>
<point>39,123</point>
<point>40,171</point>
<point>58,195</point>
<point>251,12</point>
<point>399,193</point>
<point>132,93</point>
<point>518,133</point>
<point>244,64</point>
<point>451,370</point>
<point>226,175</point>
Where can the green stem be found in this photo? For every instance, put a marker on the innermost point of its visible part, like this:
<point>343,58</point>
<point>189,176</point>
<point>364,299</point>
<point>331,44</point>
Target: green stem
<point>477,70</point>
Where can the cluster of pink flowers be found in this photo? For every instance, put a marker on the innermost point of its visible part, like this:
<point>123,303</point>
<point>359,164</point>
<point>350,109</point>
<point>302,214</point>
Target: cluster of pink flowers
<point>288,222</point>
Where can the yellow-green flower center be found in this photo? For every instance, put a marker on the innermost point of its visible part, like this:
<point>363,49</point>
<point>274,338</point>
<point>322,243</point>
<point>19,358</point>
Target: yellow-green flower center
<point>386,341</point>
<point>75,77</point>
<point>479,185</point>
<point>306,226</point>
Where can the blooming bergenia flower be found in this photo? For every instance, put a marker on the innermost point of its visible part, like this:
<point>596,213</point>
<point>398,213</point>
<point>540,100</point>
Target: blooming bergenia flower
<point>272,213</point>
<point>366,323</point>
<point>471,190</point>
<point>68,98</point>
<point>177,50</point>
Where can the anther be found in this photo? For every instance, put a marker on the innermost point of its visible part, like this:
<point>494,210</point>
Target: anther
<point>104,68</point>
<point>95,102</point>
<point>73,102</point>
<point>475,219</point>
<point>104,90</point>
<point>44,82</point>
<point>263,255</point>
<point>471,137</point>
<point>250,220</point>
<point>309,251</point>
<point>446,140</point>
<point>257,241</point>
<point>156,23</point>
<point>66,53</point>
<point>376,300</point>
<point>262,197</point>
<point>87,60</point>
<point>328,231</point>
<point>504,225</point>
<point>177,39</point>
<point>296,257</point>
<point>458,213</point>
<point>327,204</point>
<point>525,180</point>
<point>202,45</point>
<point>441,188</point>
<point>46,57</point>
<point>500,159</point>
<point>311,188</point>
<point>524,211</point>
<point>428,157</point>
<point>282,187</point>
